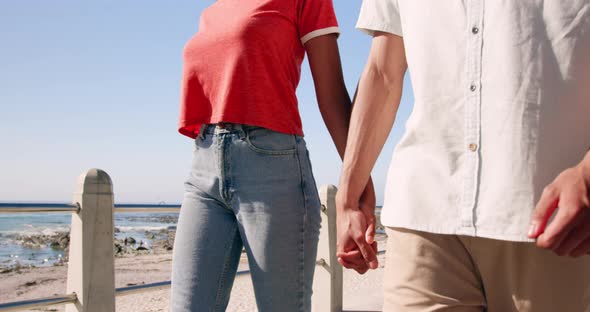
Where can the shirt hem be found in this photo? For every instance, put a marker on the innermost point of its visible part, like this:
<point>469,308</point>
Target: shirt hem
<point>217,119</point>
<point>370,29</point>
<point>466,231</point>
<point>319,33</point>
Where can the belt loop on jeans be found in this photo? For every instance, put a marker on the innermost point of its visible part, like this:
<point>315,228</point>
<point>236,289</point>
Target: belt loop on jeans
<point>240,130</point>
<point>223,125</point>
<point>202,131</point>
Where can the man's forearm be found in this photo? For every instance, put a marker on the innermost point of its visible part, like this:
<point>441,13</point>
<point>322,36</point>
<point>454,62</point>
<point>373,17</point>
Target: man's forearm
<point>373,115</point>
<point>374,109</point>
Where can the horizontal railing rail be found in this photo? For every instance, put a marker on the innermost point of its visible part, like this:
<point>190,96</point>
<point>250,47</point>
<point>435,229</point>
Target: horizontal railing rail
<point>137,208</point>
<point>136,289</point>
<point>37,303</point>
<point>38,208</point>
<point>65,208</point>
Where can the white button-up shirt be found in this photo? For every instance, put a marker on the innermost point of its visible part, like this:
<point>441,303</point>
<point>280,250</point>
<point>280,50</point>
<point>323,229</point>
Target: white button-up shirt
<point>502,106</point>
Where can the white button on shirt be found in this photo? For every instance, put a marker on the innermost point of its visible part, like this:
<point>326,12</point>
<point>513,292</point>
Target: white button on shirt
<point>502,106</point>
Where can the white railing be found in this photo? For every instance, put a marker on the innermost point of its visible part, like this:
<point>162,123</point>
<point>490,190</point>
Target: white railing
<point>91,265</point>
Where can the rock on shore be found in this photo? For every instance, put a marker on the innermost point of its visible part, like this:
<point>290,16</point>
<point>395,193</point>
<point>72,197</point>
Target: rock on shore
<point>158,242</point>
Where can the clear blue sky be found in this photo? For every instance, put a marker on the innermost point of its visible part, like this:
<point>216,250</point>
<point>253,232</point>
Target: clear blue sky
<point>96,84</point>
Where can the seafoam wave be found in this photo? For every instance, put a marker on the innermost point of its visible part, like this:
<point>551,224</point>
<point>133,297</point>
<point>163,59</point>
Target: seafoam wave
<point>141,228</point>
<point>30,230</point>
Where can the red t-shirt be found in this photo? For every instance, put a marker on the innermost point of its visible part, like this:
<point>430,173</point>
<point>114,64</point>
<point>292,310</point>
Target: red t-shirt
<point>244,64</point>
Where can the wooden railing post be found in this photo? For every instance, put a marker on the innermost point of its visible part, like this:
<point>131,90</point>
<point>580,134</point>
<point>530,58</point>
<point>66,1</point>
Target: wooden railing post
<point>91,272</point>
<point>327,286</point>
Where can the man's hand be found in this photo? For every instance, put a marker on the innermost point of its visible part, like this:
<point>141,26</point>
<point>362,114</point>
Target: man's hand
<point>357,248</point>
<point>568,234</point>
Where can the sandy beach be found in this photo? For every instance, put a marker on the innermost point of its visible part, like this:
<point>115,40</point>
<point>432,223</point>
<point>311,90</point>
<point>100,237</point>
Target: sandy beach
<point>361,293</point>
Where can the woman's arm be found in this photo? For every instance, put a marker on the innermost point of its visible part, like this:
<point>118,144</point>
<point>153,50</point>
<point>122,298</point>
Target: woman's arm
<point>333,99</point>
<point>335,107</point>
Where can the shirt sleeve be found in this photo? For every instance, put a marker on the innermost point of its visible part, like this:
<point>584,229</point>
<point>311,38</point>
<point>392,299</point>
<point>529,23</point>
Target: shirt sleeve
<point>380,15</point>
<point>316,18</point>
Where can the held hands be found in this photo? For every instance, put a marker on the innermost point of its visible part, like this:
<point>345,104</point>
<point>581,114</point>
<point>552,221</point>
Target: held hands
<point>568,234</point>
<point>355,219</point>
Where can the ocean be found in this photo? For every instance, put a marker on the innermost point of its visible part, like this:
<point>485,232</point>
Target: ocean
<point>17,229</point>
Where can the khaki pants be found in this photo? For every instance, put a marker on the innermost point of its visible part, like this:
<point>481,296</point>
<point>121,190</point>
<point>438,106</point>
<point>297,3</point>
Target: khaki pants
<point>432,272</point>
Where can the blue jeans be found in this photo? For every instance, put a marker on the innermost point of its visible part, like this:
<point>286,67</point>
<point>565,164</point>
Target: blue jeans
<point>249,187</point>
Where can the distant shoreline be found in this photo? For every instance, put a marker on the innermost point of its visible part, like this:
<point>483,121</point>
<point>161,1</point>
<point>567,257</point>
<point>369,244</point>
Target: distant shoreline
<point>38,240</point>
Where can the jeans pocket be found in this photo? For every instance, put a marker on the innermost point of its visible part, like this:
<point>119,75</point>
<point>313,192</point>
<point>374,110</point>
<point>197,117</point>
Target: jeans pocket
<point>268,142</point>
<point>314,184</point>
<point>203,142</point>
